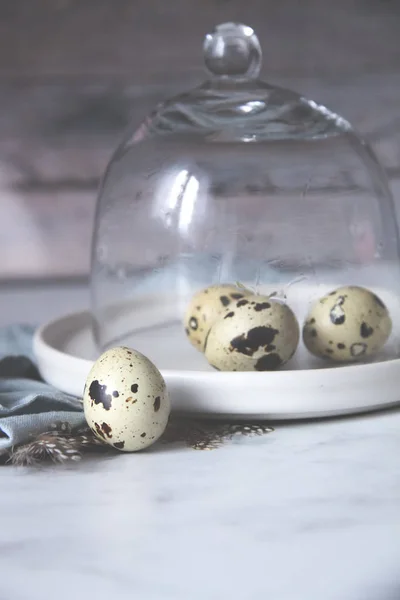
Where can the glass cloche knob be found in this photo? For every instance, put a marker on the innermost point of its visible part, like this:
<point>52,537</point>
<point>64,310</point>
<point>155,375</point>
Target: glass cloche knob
<point>232,50</point>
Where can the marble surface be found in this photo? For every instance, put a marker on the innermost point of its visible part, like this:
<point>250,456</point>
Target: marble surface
<point>310,511</point>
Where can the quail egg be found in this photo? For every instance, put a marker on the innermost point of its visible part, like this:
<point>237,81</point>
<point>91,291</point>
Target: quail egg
<point>256,334</point>
<point>125,400</point>
<point>348,324</point>
<point>206,306</point>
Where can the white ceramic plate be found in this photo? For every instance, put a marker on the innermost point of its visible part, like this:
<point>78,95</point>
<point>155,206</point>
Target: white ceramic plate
<point>65,352</point>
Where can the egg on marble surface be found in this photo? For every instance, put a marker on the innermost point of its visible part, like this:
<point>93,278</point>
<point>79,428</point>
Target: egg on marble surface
<point>347,324</point>
<point>125,400</point>
<point>206,306</point>
<point>256,334</point>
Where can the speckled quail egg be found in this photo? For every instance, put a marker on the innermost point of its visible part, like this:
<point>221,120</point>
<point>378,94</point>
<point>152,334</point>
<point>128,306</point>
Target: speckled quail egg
<point>256,334</point>
<point>205,308</point>
<point>125,400</point>
<point>348,324</point>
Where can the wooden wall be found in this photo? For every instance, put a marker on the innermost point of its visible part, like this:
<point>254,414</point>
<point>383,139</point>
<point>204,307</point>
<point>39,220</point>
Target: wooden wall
<point>74,72</point>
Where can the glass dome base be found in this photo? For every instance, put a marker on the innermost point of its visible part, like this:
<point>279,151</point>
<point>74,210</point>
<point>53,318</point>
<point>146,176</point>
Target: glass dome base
<point>154,327</point>
<point>65,353</point>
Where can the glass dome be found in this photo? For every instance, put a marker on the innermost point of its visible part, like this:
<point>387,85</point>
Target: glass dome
<point>238,182</point>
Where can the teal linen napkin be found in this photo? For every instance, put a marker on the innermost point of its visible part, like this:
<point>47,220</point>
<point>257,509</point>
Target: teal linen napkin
<point>28,406</point>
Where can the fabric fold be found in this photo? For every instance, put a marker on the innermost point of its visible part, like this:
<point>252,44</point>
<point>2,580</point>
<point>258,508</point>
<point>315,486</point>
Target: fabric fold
<point>28,405</point>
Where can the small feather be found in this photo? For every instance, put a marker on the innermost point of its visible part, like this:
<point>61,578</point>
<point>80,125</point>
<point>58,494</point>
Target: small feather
<point>61,445</point>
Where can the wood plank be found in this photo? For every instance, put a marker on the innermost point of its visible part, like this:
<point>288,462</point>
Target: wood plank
<point>156,39</point>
